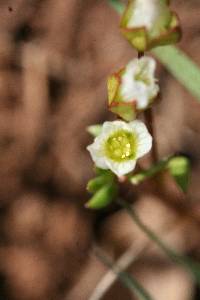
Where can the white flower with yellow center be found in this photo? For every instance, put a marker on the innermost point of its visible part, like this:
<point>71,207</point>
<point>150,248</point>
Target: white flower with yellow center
<point>138,82</point>
<point>119,145</point>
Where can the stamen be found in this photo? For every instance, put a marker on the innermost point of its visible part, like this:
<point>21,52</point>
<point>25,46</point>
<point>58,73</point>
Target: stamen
<point>121,146</point>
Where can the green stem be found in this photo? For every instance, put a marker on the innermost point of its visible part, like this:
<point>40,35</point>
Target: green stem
<point>192,266</point>
<point>129,281</point>
<point>148,114</point>
<point>151,172</point>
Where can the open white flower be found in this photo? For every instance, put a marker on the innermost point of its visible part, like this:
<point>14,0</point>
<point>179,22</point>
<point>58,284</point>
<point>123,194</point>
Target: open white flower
<point>119,145</point>
<point>138,82</point>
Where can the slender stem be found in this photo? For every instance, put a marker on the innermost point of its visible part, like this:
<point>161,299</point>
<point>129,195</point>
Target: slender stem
<point>129,281</point>
<point>148,115</point>
<point>149,173</point>
<point>192,266</point>
<point>127,259</point>
<point>124,262</point>
<point>140,54</point>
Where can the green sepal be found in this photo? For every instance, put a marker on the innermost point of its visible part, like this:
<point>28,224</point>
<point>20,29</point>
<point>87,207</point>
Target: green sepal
<point>103,197</point>
<point>100,171</point>
<point>171,36</point>
<point>94,130</point>
<point>112,86</point>
<point>127,111</point>
<point>116,104</point>
<point>96,183</point>
<point>179,167</point>
<point>137,38</point>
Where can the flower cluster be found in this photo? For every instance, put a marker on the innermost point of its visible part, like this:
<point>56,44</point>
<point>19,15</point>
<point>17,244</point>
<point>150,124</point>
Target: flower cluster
<point>131,90</point>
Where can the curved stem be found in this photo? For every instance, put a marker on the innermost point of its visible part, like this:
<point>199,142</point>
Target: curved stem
<point>129,281</point>
<point>188,263</point>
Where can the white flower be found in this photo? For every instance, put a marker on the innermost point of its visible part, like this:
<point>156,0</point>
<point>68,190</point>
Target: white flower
<point>119,145</point>
<point>145,13</point>
<point>138,82</point>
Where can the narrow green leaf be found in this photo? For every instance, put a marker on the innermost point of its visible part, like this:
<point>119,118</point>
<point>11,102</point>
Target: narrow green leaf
<point>129,281</point>
<point>103,197</point>
<point>94,130</point>
<point>119,7</point>
<point>181,66</point>
<point>179,167</point>
<point>192,266</point>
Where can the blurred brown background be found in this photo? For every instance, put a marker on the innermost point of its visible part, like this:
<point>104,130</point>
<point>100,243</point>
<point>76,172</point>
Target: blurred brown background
<point>55,56</point>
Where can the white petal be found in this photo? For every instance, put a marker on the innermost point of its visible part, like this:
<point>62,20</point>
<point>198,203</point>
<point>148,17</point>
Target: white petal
<point>97,148</point>
<point>149,64</point>
<point>152,90</point>
<point>144,13</point>
<point>97,155</point>
<point>107,129</point>
<point>142,101</point>
<point>138,90</point>
<point>121,168</point>
<point>146,63</point>
<point>144,141</point>
<point>110,127</point>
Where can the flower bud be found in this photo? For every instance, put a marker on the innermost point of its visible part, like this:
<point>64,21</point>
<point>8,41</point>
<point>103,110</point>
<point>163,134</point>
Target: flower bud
<point>133,88</point>
<point>150,23</point>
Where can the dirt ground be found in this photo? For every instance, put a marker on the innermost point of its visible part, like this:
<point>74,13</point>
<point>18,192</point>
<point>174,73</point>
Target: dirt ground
<point>55,57</point>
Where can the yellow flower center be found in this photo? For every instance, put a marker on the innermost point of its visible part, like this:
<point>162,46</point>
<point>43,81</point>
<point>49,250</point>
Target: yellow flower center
<point>121,146</point>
